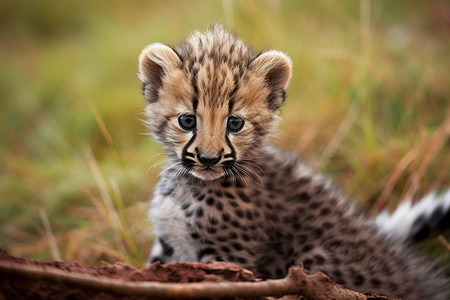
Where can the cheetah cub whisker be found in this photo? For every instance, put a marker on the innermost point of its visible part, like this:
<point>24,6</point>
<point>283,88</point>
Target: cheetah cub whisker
<point>226,194</point>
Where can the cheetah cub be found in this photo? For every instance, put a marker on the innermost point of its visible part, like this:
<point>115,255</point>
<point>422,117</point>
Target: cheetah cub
<point>227,195</point>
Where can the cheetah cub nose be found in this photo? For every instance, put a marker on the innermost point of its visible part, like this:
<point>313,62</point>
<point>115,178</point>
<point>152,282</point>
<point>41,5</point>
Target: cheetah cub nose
<point>208,160</point>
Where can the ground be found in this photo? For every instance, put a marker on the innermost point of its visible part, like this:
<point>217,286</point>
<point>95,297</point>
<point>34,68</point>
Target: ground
<point>52,283</point>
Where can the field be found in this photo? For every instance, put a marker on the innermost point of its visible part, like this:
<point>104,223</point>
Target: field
<point>368,104</point>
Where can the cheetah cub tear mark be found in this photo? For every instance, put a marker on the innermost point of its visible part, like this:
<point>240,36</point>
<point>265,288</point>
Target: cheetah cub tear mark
<point>227,195</point>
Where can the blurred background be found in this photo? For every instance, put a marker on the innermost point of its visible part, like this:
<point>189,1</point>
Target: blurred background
<point>368,104</point>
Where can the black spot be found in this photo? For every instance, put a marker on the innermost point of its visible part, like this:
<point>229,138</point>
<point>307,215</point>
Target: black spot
<point>302,238</point>
<point>315,204</point>
<point>272,217</point>
<point>248,215</point>
<point>299,210</point>
<point>235,223</point>
<point>324,211</point>
<point>296,225</point>
<point>226,217</point>
<point>245,237</point>
<point>200,197</point>
<point>307,263</point>
<point>317,232</point>
<point>233,235</point>
<point>239,212</point>
<point>303,181</point>
<point>195,192</point>
<point>333,244</point>
<point>327,225</point>
<point>278,206</point>
<point>225,249</point>
<point>185,205</point>
<point>243,197</point>
<point>319,259</point>
<point>375,282</point>
<point>222,238</point>
<point>307,248</point>
<point>219,205</point>
<point>199,212</point>
<point>256,213</point>
<point>167,249</point>
<point>319,190</point>
<point>206,241</point>
<point>256,193</point>
<point>358,280</point>
<point>304,197</point>
<point>237,246</point>
<point>229,195</point>
<point>234,204</point>
<point>241,260</point>
<point>226,184</point>
<point>219,193</point>
<point>268,205</point>
<point>239,184</point>
<point>336,274</point>
<point>206,251</point>
<point>211,230</point>
<point>169,191</point>
<point>195,235</point>
<point>210,201</point>
<point>335,261</point>
<point>189,213</point>
<point>213,220</point>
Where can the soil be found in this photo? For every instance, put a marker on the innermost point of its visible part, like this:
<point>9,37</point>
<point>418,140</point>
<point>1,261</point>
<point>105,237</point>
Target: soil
<point>16,286</point>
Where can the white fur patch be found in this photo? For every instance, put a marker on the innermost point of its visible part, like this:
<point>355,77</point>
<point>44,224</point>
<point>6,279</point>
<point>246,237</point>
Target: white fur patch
<point>399,224</point>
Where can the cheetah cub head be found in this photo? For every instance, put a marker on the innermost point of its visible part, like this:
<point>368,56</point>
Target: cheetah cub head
<point>211,103</point>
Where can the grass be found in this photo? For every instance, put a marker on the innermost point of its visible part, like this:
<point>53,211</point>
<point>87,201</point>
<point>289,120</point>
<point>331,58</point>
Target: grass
<point>368,105</point>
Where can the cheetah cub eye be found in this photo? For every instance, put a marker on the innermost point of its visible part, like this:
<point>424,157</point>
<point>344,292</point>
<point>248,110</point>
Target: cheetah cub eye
<point>211,103</point>
<point>235,124</point>
<point>187,122</point>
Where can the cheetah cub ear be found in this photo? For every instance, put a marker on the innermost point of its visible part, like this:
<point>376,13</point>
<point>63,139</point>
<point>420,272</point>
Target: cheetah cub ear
<point>276,69</point>
<point>155,61</point>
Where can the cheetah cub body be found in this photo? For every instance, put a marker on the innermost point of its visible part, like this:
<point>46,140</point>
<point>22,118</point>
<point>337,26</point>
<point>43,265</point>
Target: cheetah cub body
<point>227,195</point>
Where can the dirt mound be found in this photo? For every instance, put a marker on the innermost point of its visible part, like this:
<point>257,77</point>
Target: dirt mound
<point>26,279</point>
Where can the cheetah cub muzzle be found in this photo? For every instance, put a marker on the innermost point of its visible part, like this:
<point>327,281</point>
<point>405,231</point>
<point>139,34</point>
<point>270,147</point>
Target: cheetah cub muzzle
<point>227,195</point>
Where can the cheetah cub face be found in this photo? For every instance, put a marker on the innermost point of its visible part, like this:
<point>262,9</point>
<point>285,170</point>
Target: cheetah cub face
<point>211,103</point>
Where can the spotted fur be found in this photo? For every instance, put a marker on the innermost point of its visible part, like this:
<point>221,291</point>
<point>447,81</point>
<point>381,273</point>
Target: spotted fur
<point>227,195</point>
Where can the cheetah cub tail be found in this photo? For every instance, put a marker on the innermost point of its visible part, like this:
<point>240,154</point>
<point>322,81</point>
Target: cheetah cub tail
<point>414,222</point>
